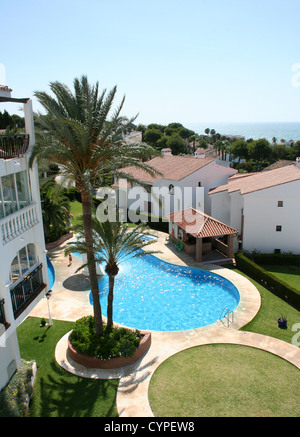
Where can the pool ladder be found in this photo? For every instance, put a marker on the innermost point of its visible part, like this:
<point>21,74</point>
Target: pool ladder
<point>225,314</point>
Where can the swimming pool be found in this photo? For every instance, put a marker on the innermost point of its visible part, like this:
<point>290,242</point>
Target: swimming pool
<point>51,273</point>
<point>151,294</point>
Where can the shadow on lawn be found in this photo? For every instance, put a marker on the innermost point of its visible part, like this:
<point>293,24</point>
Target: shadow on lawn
<point>66,395</point>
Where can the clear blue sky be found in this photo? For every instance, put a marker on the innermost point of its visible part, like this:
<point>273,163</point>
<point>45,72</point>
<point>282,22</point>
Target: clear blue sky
<point>176,60</point>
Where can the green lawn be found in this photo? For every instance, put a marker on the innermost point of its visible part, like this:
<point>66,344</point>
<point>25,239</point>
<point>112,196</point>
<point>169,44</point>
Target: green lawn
<point>288,274</point>
<point>58,393</point>
<point>76,211</point>
<point>272,307</point>
<point>231,380</point>
<point>225,381</point>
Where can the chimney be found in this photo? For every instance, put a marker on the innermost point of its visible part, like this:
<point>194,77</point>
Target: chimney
<point>200,153</point>
<point>166,151</point>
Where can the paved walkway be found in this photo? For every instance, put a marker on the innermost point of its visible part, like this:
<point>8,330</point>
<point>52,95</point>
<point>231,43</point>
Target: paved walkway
<point>70,301</point>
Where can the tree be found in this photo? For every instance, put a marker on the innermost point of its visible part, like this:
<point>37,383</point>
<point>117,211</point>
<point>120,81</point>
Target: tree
<point>260,150</point>
<point>176,143</point>
<point>55,210</point>
<point>240,149</point>
<point>151,136</point>
<point>114,243</point>
<point>76,134</point>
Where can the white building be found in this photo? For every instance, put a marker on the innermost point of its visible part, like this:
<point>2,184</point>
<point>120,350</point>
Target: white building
<point>23,266</point>
<point>178,176</point>
<point>264,207</point>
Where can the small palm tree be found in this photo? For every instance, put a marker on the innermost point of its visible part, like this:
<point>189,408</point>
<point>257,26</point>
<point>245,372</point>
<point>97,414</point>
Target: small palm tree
<point>114,242</point>
<point>77,135</point>
<point>55,210</point>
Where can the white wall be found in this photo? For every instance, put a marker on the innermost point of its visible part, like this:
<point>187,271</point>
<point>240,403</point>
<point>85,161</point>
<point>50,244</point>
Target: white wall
<point>212,175</point>
<point>261,215</point>
<point>221,206</point>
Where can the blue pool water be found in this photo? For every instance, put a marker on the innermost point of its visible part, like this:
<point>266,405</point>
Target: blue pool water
<point>51,272</point>
<point>154,295</point>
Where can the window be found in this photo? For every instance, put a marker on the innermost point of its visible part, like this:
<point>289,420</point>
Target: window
<point>9,197</point>
<point>15,269</point>
<point>280,203</point>
<point>25,259</point>
<point>277,250</point>
<point>171,189</point>
<point>278,228</point>
<point>14,193</point>
<point>199,184</point>
<point>22,189</point>
<point>31,254</point>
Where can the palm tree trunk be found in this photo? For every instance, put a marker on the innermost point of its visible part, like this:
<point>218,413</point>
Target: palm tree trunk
<point>110,301</point>
<point>88,232</point>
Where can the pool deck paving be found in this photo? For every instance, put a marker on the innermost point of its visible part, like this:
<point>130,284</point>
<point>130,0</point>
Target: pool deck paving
<point>70,301</point>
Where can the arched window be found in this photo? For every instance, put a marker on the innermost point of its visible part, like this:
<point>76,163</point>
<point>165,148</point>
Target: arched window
<point>25,259</point>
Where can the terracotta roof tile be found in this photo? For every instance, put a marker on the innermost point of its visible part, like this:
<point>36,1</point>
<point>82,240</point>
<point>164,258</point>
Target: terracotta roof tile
<point>199,224</point>
<point>171,167</point>
<point>260,181</point>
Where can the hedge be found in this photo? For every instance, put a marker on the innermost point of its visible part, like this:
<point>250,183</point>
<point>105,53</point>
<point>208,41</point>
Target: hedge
<point>268,280</point>
<point>276,259</point>
<point>158,225</point>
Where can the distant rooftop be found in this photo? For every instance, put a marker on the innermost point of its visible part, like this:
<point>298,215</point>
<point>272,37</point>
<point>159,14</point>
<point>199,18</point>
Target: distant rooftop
<point>260,181</point>
<point>170,166</point>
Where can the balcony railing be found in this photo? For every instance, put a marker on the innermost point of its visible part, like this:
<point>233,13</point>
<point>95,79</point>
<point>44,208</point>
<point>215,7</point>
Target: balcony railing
<point>12,146</point>
<point>15,224</point>
<point>26,290</point>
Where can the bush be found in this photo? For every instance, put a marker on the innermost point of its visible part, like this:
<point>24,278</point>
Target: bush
<point>159,225</point>
<point>276,259</point>
<point>116,342</point>
<point>13,397</point>
<point>271,282</point>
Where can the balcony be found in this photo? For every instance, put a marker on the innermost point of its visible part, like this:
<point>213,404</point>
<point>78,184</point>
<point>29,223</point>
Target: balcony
<point>15,224</point>
<point>12,146</point>
<point>27,290</point>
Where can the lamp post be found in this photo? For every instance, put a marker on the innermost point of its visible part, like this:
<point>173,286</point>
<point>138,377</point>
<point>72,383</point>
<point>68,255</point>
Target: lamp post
<point>48,295</point>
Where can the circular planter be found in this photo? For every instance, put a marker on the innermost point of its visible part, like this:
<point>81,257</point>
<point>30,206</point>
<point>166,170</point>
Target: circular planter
<point>112,363</point>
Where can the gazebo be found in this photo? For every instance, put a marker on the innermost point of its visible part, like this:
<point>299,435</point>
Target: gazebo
<point>200,233</point>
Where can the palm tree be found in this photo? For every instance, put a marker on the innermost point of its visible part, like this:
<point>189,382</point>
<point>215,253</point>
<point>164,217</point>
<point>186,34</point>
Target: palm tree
<point>76,134</point>
<point>55,210</point>
<point>114,243</point>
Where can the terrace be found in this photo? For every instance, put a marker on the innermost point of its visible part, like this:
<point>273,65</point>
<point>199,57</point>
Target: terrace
<point>13,146</point>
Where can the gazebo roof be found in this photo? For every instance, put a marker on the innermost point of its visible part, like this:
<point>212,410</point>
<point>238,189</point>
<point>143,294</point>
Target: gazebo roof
<point>199,224</point>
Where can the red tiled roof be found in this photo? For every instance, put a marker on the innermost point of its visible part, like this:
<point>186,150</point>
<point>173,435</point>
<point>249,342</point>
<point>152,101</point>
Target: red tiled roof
<point>260,181</point>
<point>171,167</point>
<point>199,224</point>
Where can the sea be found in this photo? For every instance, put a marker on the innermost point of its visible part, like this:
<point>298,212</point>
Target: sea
<point>285,130</point>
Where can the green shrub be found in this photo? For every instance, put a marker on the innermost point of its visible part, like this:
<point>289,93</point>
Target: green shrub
<point>276,259</point>
<point>13,402</point>
<point>271,282</point>
<point>158,225</point>
<point>116,342</point>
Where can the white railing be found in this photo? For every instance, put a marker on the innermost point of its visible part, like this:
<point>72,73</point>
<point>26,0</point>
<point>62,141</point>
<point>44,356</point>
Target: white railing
<point>17,223</point>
